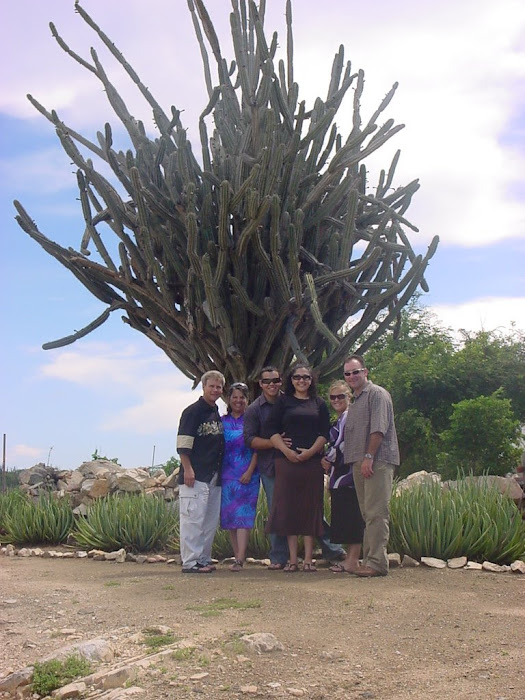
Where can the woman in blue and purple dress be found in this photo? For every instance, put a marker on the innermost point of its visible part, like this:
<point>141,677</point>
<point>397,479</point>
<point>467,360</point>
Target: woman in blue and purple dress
<point>240,477</point>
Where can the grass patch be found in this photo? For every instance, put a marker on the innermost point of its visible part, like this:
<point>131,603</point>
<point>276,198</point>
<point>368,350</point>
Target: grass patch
<point>183,653</point>
<point>112,584</point>
<point>156,641</point>
<point>217,606</point>
<point>53,674</point>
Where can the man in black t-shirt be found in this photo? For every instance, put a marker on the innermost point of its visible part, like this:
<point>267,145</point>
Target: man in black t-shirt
<point>200,444</point>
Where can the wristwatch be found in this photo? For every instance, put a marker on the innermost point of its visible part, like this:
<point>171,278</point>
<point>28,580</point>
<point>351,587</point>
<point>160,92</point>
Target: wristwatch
<point>368,455</point>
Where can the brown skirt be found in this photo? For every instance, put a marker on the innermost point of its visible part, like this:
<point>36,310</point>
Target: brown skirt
<point>297,505</point>
<point>346,525</point>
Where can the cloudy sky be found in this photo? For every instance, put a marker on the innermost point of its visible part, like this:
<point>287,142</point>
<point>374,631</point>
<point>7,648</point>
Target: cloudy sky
<point>461,70</point>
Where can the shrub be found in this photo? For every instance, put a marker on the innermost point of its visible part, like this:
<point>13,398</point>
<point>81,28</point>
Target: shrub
<point>48,521</point>
<point>471,519</point>
<point>53,674</point>
<point>135,522</point>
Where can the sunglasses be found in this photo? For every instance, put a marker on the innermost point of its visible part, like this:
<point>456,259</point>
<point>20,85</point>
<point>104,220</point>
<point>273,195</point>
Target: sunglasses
<point>338,397</point>
<point>354,372</point>
<point>304,377</point>
<point>239,385</point>
<point>276,380</point>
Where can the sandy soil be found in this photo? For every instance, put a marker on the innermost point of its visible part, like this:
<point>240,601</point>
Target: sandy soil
<point>418,633</point>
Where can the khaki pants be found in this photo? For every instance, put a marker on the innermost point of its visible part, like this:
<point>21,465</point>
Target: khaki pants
<point>373,495</point>
<point>199,509</point>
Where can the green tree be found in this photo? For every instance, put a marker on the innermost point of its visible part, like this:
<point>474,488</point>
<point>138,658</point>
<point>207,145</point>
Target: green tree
<point>484,436</point>
<point>489,360</point>
<point>427,371</point>
<point>262,247</point>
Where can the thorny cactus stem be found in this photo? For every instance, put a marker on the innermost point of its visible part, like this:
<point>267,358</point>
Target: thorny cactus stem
<point>264,246</point>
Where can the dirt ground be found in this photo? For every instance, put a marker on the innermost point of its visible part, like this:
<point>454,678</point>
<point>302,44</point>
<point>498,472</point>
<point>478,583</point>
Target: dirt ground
<point>418,633</point>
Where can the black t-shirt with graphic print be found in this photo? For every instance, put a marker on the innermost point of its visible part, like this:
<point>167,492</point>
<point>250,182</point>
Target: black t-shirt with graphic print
<point>201,437</point>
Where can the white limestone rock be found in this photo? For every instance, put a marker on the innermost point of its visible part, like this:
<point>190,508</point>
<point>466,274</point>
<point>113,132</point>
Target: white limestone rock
<point>262,642</point>
<point>71,690</point>
<point>434,563</point>
<point>394,560</point>
<point>457,562</point>
<point>473,566</point>
<point>495,568</point>
<point>518,567</point>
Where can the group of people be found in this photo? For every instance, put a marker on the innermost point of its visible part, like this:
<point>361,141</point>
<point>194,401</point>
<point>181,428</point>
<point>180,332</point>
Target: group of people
<point>285,440</point>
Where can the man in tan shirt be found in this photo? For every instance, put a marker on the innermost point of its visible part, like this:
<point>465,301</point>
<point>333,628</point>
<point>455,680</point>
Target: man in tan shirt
<point>371,448</point>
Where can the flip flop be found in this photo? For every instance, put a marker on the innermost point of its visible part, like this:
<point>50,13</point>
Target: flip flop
<point>291,568</point>
<point>309,568</point>
<point>276,566</point>
<point>198,570</point>
<point>340,569</point>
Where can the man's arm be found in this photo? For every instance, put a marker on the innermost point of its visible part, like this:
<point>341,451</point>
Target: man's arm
<point>185,439</point>
<point>189,474</point>
<point>252,430</point>
<point>367,465</point>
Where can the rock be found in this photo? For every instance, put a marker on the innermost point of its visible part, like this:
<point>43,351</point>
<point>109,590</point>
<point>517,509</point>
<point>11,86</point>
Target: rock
<point>172,480</point>
<point>473,566</point>
<point>80,555</point>
<point>119,556</point>
<point>95,488</point>
<point>416,478</point>
<point>457,562</point>
<point>24,552</point>
<point>262,642</point>
<point>433,562</point>
<point>74,482</point>
<point>199,676</point>
<point>295,692</point>
<point>96,553</point>
<point>394,560</point>
<point>518,567</point>
<point>92,650</point>
<point>504,484</point>
<point>496,568</point>
<point>72,690</point>
<point>409,563</point>
<point>107,680</point>
<point>248,689</point>
<point>14,680</point>
<point>126,482</point>
<point>121,693</point>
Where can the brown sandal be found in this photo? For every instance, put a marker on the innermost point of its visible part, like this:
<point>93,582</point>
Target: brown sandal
<point>291,568</point>
<point>309,568</point>
<point>237,565</point>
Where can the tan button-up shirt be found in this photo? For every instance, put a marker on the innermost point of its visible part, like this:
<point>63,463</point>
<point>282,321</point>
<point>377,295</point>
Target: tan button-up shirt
<point>371,412</point>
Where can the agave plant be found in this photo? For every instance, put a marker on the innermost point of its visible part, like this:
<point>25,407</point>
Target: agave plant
<point>473,519</point>
<point>134,522</point>
<point>48,521</point>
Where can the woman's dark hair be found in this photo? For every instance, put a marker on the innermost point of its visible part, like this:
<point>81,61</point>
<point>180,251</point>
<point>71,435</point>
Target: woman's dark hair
<point>240,386</point>
<point>289,389</point>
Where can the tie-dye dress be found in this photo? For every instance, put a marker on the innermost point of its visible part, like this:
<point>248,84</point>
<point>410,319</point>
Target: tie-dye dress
<point>238,501</point>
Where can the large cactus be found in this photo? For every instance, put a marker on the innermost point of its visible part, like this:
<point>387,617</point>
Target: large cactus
<point>263,246</point>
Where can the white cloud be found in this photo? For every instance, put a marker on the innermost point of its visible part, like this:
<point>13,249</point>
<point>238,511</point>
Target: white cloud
<point>140,390</point>
<point>461,69</point>
<point>46,170</point>
<point>489,313</point>
<point>27,451</point>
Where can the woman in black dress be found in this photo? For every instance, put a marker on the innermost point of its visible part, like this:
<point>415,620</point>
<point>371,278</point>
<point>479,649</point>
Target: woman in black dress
<point>346,526</point>
<point>297,507</point>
